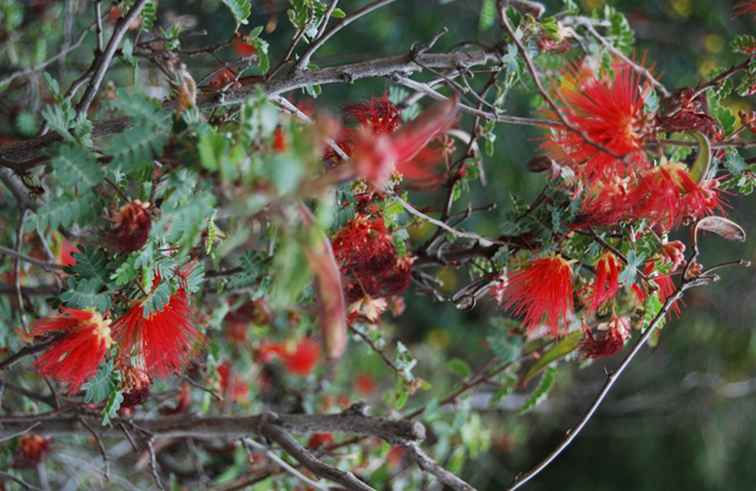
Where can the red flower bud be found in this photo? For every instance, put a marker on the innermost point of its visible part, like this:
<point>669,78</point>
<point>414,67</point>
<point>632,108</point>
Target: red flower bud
<point>131,226</point>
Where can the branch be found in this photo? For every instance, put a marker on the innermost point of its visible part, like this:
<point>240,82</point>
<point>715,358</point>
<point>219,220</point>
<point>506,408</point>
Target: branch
<point>393,431</point>
<point>269,429</point>
<point>106,58</point>
<point>30,153</point>
<point>539,84</point>
<point>427,464</point>
<point>305,60</point>
<point>22,73</point>
<point>612,378</point>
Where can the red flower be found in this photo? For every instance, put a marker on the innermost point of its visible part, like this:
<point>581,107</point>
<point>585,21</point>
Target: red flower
<point>610,112</point>
<point>131,226</point>
<point>605,204</point>
<point>379,115</point>
<point>368,261</point>
<point>162,339</point>
<point>241,47</point>
<point>135,386</point>
<point>75,356</point>
<point>675,252</point>
<point>376,156</point>
<point>279,140</point>
<point>666,194</point>
<point>299,359</point>
<point>542,292</point>
<point>364,384</point>
<point>606,285</point>
<point>609,341</point>
<point>66,253</point>
<point>232,387</point>
<point>665,287</point>
<point>222,78</point>
<point>743,8</point>
<point>318,440</point>
<point>32,448</point>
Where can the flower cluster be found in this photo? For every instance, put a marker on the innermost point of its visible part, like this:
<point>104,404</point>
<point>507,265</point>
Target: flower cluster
<point>161,341</point>
<point>381,145</point>
<point>605,150</point>
<point>369,263</point>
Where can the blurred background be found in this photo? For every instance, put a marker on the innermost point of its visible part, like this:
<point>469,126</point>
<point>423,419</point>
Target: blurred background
<point>682,417</point>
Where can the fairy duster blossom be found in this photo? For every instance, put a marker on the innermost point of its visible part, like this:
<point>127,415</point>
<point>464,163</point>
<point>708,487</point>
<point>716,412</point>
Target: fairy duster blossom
<point>369,264</point>
<point>162,339</point>
<point>131,226</point>
<point>542,293</point>
<point>74,357</point>
<point>606,284</point>
<point>610,112</point>
<point>667,194</point>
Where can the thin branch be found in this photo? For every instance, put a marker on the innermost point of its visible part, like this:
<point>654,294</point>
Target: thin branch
<point>539,84</point>
<point>308,460</point>
<point>100,446</point>
<point>106,58</point>
<point>612,379</point>
<point>427,464</point>
<point>7,476</point>
<point>619,54</point>
<point>23,73</point>
<point>326,18</point>
<point>482,241</point>
<point>251,445</point>
<point>19,433</point>
<point>47,266</point>
<point>26,351</point>
<point>154,464</point>
<point>305,60</point>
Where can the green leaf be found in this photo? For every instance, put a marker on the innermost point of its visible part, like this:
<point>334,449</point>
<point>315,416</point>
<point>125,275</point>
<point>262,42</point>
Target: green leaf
<point>241,9</point>
<point>149,16</point>
<point>76,167</point>
<point>564,347</point>
<point>110,410</point>
<point>460,367</point>
<point>86,293</point>
<point>98,387</point>
<point>487,15</point>
<point>744,43</point>
<point>134,149</point>
<point>91,263</point>
<point>700,168</point>
<point>157,299</point>
<point>634,261</point>
<point>196,278</point>
<point>65,210</point>
<point>506,348</point>
<point>541,392</point>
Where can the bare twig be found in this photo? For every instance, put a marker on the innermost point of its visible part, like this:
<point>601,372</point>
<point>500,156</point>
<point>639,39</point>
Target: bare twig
<point>23,73</point>
<point>305,60</point>
<point>5,476</point>
<point>47,266</point>
<point>100,446</point>
<point>106,58</point>
<point>307,459</point>
<point>539,84</point>
<point>612,379</point>
<point>154,464</point>
<point>427,464</point>
<point>251,446</point>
